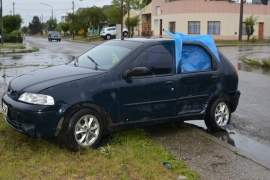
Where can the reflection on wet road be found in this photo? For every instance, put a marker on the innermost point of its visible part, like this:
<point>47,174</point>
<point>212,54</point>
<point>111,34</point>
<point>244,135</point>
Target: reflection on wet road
<point>16,64</point>
<point>233,53</point>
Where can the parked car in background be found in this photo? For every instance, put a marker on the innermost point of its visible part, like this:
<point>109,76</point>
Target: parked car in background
<point>123,84</point>
<point>54,35</point>
<point>110,32</point>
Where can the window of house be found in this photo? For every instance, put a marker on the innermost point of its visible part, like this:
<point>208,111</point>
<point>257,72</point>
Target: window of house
<point>172,27</point>
<point>157,59</point>
<point>213,27</point>
<point>194,27</point>
<point>244,32</point>
<point>158,10</point>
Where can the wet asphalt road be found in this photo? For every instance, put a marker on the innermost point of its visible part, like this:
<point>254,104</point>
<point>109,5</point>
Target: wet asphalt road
<point>250,126</point>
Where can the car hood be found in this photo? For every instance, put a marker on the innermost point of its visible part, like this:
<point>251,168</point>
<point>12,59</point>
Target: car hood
<point>45,78</point>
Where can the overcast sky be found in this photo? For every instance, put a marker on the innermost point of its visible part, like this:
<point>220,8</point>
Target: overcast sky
<point>29,8</point>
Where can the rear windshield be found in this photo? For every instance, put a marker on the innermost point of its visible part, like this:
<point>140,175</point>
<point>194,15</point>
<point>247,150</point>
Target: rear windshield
<point>54,33</point>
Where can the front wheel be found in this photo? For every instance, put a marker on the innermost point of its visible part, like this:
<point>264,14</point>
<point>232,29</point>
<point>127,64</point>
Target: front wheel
<point>84,129</point>
<point>218,115</point>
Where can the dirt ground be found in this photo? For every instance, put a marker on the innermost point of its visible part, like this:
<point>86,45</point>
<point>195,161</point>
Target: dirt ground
<point>207,155</point>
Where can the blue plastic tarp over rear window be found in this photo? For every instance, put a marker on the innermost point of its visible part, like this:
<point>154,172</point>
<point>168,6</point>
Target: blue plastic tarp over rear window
<point>192,57</point>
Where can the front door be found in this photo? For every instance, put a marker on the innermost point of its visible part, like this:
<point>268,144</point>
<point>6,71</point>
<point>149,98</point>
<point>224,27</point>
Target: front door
<point>260,32</point>
<point>151,95</point>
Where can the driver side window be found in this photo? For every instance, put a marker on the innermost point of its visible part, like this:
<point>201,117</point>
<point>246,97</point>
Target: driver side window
<point>157,59</point>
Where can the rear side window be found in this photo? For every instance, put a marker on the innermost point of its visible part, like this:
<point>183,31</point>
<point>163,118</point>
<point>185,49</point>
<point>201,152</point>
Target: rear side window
<point>195,58</point>
<point>157,59</point>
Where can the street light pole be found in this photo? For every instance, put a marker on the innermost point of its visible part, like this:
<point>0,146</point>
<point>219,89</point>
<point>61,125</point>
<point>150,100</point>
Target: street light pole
<point>49,6</point>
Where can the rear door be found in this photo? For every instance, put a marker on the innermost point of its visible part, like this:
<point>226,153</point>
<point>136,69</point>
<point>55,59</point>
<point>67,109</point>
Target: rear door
<point>198,80</point>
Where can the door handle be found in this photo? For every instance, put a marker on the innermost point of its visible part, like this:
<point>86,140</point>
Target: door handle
<point>214,78</point>
<point>168,83</point>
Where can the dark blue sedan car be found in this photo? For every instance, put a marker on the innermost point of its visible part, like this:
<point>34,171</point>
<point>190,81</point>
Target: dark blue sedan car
<point>123,84</point>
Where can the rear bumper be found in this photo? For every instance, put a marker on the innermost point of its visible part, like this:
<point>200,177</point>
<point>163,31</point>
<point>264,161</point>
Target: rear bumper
<point>235,100</point>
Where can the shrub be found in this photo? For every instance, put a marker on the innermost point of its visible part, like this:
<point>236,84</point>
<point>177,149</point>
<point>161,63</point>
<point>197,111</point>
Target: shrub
<point>254,39</point>
<point>13,38</point>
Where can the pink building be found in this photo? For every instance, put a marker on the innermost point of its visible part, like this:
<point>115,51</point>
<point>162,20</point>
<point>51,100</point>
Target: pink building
<point>219,18</point>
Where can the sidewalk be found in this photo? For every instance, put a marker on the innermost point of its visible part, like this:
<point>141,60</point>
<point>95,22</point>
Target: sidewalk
<point>207,155</point>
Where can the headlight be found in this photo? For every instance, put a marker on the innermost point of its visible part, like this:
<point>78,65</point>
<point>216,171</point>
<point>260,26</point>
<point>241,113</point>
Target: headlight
<point>33,98</point>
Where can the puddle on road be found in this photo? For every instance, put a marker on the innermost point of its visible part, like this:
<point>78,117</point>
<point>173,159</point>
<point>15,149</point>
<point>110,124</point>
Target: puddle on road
<point>232,137</point>
<point>13,65</point>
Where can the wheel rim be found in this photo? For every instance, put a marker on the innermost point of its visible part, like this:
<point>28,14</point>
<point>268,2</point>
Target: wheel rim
<point>87,130</point>
<point>222,114</point>
<point>108,36</point>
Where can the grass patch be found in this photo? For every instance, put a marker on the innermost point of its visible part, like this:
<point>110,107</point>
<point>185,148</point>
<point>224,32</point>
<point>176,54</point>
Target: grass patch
<point>12,46</point>
<point>88,38</point>
<point>255,62</point>
<point>130,155</point>
<point>266,62</point>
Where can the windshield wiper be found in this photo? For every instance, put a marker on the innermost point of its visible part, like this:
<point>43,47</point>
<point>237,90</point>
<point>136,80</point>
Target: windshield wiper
<point>96,64</point>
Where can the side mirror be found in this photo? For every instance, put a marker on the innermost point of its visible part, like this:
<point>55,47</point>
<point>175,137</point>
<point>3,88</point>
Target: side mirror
<point>137,71</point>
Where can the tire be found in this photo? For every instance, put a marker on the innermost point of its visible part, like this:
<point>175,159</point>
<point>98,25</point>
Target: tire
<point>125,34</point>
<point>83,130</point>
<point>218,116</point>
<point>108,36</point>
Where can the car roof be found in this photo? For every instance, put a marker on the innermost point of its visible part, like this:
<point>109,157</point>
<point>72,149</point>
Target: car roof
<point>145,39</point>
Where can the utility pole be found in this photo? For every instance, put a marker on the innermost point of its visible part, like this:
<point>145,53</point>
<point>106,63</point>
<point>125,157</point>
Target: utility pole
<point>129,31</point>
<point>121,17</point>
<point>13,9</point>
<point>73,20</point>
<point>1,17</point>
<point>241,20</point>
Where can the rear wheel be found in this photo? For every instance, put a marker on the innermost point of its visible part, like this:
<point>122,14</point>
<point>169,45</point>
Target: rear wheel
<point>218,115</point>
<point>83,130</point>
<point>125,33</point>
<point>108,36</point>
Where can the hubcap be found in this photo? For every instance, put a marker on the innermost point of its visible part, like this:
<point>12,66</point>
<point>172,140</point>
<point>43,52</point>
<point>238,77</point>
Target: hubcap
<point>87,130</point>
<point>222,114</point>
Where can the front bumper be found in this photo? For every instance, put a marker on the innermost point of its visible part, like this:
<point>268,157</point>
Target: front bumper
<point>33,120</point>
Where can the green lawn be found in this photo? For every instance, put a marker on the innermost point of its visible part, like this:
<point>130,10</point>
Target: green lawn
<point>130,155</point>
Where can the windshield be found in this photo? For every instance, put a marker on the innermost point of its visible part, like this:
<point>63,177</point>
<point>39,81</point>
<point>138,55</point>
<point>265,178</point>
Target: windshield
<point>106,55</point>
